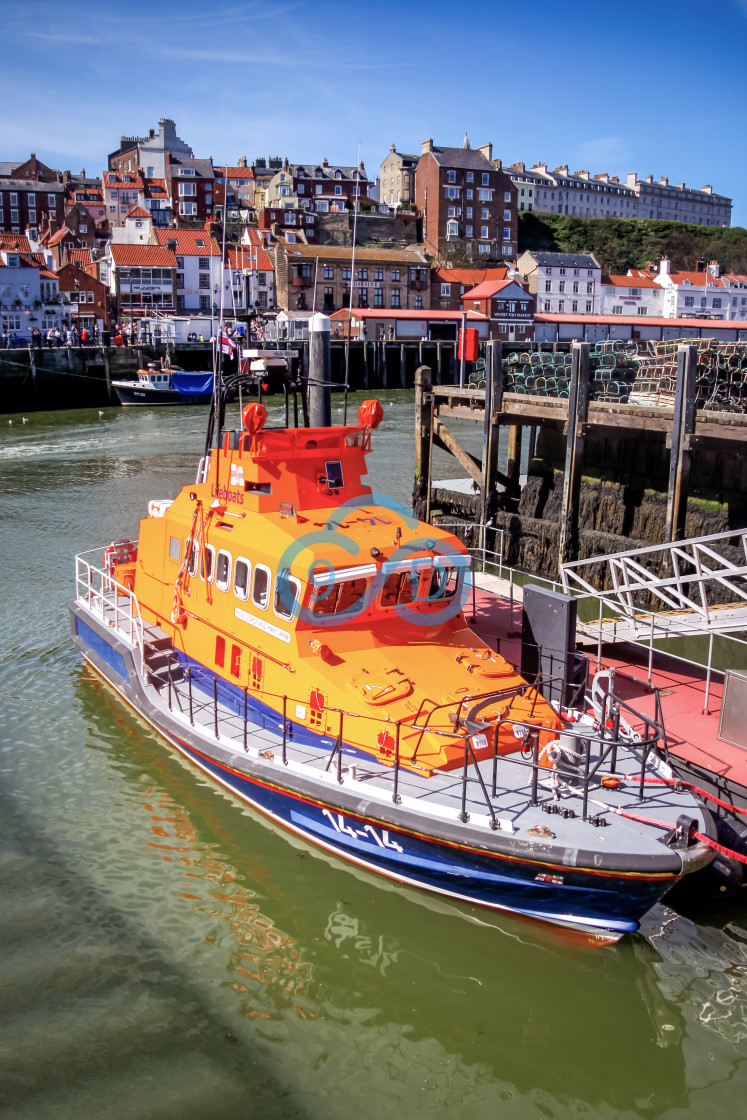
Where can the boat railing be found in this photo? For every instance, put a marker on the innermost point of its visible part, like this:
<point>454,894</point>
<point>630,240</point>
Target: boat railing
<point>116,605</point>
<point>580,752</point>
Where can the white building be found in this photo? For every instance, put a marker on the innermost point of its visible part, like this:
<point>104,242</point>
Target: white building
<point>199,268</point>
<point>153,149</point>
<point>563,283</point>
<point>606,196</point>
<point>679,203</point>
<point>249,279</point>
<point>632,295</point>
<point>29,292</point>
<point>693,295</point>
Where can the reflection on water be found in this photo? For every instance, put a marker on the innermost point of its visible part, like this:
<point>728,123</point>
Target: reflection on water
<point>167,953</point>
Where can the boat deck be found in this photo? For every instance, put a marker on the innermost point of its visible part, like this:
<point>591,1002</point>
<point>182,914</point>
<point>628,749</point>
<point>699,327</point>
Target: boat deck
<point>443,794</point>
<point>691,729</point>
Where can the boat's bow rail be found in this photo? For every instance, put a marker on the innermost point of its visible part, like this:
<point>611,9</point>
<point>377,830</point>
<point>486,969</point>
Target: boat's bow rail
<point>97,589</point>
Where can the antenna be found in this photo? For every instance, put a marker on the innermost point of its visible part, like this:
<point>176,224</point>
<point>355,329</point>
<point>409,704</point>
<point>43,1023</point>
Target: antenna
<point>356,196</point>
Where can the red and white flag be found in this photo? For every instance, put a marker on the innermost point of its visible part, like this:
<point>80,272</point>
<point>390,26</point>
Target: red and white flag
<point>226,344</point>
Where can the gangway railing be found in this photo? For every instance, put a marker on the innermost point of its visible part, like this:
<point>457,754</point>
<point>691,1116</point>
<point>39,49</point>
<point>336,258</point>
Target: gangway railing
<point>114,604</point>
<point>681,588</point>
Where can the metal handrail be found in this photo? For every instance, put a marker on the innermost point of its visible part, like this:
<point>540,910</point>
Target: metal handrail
<point>101,594</point>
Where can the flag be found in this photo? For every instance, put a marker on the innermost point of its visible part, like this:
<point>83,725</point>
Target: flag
<point>226,344</point>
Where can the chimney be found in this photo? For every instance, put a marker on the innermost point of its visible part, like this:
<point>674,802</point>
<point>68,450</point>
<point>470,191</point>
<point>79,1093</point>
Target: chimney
<point>562,170</point>
<point>707,188</point>
<point>427,146</point>
<point>603,178</point>
<point>541,167</point>
<point>649,178</point>
<point>664,181</point>
<point>325,162</point>
<point>241,162</point>
<point>393,148</point>
<point>582,174</point>
<point>487,150</point>
<point>715,269</point>
<point>518,166</point>
<point>665,267</point>
<point>700,266</point>
<point>681,186</point>
<point>632,178</point>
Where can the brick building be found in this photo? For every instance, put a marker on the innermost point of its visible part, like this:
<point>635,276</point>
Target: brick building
<point>30,205</point>
<point>323,187</point>
<point>85,295</point>
<point>199,269</point>
<point>287,223</point>
<point>448,285</point>
<point>467,203</point>
<point>397,278</point>
<point>190,184</point>
<point>508,305</point>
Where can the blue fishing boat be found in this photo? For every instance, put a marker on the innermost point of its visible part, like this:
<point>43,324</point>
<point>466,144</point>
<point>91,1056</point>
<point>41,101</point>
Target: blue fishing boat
<point>164,385</point>
<point>302,641</point>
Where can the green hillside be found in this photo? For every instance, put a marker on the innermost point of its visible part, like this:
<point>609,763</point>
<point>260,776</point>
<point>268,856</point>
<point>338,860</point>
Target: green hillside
<point>623,243</point>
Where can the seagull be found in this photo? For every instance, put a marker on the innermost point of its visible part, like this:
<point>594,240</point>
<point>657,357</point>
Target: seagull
<point>101,412</point>
<point>10,421</point>
<point>24,419</point>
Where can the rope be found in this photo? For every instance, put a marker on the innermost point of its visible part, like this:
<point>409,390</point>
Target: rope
<point>687,785</point>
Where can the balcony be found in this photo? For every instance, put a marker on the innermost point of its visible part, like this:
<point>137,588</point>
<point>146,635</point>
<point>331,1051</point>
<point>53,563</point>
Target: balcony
<point>300,281</point>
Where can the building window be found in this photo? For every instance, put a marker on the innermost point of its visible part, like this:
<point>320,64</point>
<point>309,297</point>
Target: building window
<point>484,213</point>
<point>468,231</point>
<point>395,274</point>
<point>643,311</point>
<point>589,289</point>
<point>378,297</point>
<point>204,303</point>
<point>452,192</point>
<point>418,303</point>
<point>484,248</point>
<point>485,178</point>
<point>346,273</point>
<point>716,302</point>
<point>546,305</point>
<point>470,176</point>
<point>329,272</point>
<point>204,281</point>
<point>363,274</point>
<point>187,189</point>
<point>470,192</point>
<point>689,301</point>
<point>561,286</point>
<point>507,234</point>
<point>507,196</point>
<point>617,309</point>
<point>396,297</point>
<point>574,305</point>
<point>548,285</point>
<point>561,306</point>
<point>452,176</point>
<point>188,209</point>
<point>588,307</point>
<point>378,274</point>
<point>484,232</point>
<point>446,289</point>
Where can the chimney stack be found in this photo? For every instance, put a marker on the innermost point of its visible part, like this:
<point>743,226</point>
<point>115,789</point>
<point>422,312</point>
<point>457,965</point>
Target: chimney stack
<point>427,146</point>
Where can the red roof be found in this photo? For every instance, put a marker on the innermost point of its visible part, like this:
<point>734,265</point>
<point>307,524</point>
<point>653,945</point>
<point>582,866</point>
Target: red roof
<point>490,288</point>
<point>468,276</point>
<point>149,256</point>
<point>80,256</point>
<point>47,274</point>
<point>138,212</point>
<point>402,313</point>
<point>155,188</point>
<point>113,181</point>
<point>641,321</point>
<point>639,281</point>
<point>249,258</point>
<point>233,172</point>
<point>697,279</point>
<point>189,242</point>
<point>14,243</point>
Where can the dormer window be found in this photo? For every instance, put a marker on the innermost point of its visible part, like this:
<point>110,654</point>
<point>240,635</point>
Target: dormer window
<point>338,174</point>
<point>200,243</point>
<point>318,173</point>
<point>14,261</point>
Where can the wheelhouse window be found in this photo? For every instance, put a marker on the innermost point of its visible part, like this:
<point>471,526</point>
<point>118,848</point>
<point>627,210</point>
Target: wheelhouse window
<point>261,587</point>
<point>223,571</point>
<point>241,579</point>
<point>287,594</point>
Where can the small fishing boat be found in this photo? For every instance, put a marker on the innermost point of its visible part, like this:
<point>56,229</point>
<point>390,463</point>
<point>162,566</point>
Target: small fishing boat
<point>302,641</point>
<point>159,385</point>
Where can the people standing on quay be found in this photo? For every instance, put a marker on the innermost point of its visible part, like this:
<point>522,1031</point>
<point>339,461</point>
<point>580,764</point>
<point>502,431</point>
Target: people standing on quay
<point>57,337</point>
<point>36,338</point>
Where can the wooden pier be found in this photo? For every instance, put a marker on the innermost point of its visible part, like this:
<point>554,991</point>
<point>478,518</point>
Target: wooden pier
<point>678,431</point>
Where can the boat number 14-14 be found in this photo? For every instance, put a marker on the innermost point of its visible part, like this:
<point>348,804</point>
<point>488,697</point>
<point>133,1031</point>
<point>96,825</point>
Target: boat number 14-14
<point>381,838</point>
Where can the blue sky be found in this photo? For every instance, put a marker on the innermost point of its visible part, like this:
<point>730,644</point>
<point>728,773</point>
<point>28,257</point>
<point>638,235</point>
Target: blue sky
<point>655,88</point>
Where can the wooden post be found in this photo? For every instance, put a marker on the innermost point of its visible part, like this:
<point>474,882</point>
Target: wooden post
<point>578,411</point>
<point>490,431</point>
<point>107,375</point>
<point>513,457</point>
<point>421,490</point>
<point>683,427</point>
<point>402,366</point>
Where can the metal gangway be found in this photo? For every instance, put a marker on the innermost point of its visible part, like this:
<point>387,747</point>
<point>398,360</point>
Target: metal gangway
<point>683,588</point>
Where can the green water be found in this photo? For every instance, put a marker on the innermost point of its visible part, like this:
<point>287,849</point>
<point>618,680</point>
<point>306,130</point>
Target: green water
<point>166,954</point>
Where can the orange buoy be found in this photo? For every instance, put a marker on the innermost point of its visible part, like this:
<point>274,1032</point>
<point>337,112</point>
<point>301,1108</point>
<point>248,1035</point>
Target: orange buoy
<point>253,418</point>
<point>370,414</point>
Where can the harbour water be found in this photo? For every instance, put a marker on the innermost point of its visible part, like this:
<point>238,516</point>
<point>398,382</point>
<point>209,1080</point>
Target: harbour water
<point>167,954</point>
